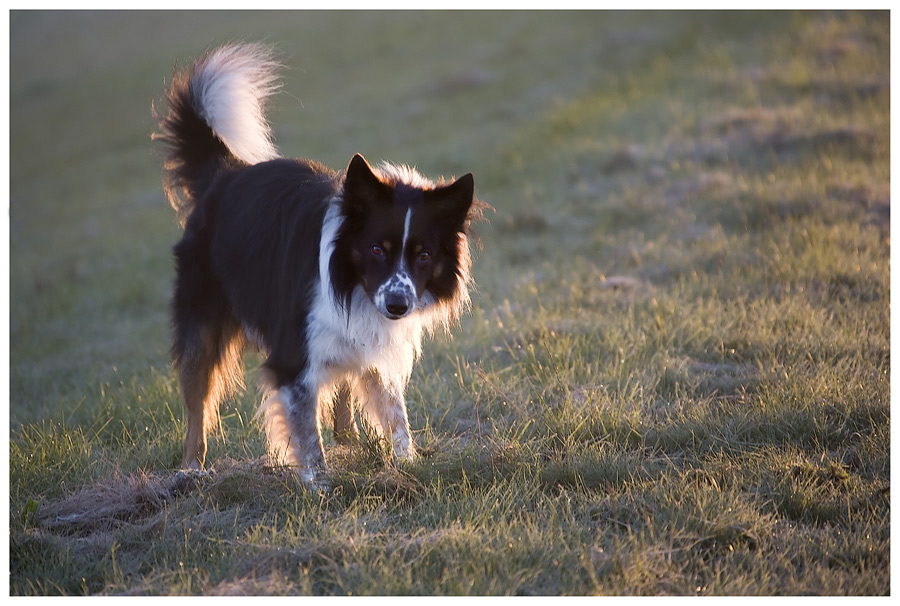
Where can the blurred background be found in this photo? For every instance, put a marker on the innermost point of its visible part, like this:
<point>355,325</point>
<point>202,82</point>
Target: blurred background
<point>91,232</point>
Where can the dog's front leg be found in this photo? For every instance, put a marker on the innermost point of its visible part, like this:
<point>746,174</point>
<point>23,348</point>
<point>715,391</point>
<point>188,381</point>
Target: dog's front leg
<point>307,438</point>
<point>291,417</point>
<point>385,406</point>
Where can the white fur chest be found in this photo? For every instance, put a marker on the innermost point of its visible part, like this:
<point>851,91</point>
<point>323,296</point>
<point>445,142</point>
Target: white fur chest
<point>351,341</point>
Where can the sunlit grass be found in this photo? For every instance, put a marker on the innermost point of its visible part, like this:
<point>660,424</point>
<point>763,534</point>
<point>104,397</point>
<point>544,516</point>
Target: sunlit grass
<point>674,379</point>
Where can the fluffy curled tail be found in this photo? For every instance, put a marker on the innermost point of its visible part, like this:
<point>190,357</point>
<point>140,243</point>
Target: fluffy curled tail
<point>216,119</point>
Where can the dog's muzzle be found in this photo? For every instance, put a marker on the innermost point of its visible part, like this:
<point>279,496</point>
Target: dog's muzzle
<point>395,298</point>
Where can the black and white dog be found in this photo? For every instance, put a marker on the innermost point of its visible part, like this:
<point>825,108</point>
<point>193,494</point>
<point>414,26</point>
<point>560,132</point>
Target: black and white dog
<point>335,275</point>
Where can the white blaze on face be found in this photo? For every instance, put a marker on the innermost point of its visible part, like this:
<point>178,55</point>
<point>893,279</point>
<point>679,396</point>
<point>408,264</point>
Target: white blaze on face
<point>405,235</point>
<point>397,296</point>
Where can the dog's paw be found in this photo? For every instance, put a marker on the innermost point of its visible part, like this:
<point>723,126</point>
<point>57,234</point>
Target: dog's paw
<point>405,453</point>
<point>314,479</point>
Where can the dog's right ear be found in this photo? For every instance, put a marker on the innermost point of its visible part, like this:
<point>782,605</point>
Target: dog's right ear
<point>362,187</point>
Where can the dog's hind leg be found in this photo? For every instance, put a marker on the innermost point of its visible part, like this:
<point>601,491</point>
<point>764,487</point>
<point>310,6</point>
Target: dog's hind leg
<point>345,430</point>
<point>195,376</point>
<point>207,345</point>
<point>209,365</point>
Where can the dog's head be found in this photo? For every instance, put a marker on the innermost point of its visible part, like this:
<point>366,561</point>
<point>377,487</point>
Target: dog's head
<point>402,238</point>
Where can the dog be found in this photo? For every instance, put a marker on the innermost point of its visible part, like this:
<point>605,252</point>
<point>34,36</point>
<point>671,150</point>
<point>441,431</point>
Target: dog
<point>335,276</point>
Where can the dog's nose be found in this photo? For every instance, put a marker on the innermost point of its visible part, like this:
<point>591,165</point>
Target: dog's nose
<point>396,304</point>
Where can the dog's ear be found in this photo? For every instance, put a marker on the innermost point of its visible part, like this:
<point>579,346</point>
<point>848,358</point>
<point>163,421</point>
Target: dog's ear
<point>362,187</point>
<point>452,202</point>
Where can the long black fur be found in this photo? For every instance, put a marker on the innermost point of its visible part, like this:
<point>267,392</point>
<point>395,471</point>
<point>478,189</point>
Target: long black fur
<point>260,226</point>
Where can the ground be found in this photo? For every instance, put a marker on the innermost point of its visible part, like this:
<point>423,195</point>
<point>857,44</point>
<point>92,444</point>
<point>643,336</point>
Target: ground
<point>674,378</point>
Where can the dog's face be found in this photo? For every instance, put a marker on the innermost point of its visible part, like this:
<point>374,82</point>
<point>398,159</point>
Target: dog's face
<point>404,242</point>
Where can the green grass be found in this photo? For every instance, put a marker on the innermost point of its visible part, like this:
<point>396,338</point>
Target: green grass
<point>674,379</point>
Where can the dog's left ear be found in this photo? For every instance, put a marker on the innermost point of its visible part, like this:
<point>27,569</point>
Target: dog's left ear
<point>452,201</point>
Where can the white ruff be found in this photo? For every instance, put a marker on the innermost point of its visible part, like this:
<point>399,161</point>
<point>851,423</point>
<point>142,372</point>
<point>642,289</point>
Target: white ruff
<point>342,347</point>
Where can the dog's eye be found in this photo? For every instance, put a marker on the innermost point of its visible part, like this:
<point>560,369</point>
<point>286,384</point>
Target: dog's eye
<point>377,250</point>
<point>424,257</point>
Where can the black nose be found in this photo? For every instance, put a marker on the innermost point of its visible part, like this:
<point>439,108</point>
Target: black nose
<point>396,304</point>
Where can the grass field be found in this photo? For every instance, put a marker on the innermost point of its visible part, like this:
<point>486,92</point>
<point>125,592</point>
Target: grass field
<point>674,380</point>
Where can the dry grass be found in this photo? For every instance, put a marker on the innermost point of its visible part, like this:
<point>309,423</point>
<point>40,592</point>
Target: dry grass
<point>675,376</point>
